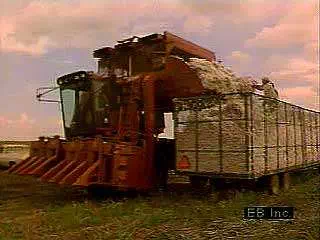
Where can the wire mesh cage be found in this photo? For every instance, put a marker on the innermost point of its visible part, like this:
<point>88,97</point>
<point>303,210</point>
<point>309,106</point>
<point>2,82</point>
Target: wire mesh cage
<point>245,134</point>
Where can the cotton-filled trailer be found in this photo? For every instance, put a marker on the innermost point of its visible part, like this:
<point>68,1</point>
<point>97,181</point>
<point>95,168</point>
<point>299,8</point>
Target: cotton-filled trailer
<point>244,136</point>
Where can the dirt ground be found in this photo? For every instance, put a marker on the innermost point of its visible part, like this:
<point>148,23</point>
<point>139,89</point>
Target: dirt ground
<point>30,209</point>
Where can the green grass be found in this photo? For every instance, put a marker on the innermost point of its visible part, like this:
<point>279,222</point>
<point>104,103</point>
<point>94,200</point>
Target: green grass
<point>33,210</point>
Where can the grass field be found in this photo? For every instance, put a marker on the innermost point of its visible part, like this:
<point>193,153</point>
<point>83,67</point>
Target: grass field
<point>33,210</point>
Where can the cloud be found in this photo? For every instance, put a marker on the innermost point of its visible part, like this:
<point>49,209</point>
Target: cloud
<point>38,48</point>
<point>302,96</point>
<point>291,55</point>
<point>297,71</point>
<point>23,127</point>
<point>297,79</point>
<point>63,25</point>
<point>311,51</point>
<point>298,26</point>
<point>86,24</point>
<point>194,23</point>
<point>25,120</point>
<point>240,61</point>
<point>241,57</point>
<point>4,122</point>
<point>83,24</point>
<point>238,12</point>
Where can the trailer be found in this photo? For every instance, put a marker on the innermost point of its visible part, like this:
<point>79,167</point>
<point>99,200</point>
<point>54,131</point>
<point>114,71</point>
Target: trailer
<point>244,137</point>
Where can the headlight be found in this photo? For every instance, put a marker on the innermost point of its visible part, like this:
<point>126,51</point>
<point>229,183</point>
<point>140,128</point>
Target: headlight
<point>73,78</point>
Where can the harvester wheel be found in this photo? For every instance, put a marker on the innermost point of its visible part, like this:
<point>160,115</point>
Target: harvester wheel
<point>95,191</point>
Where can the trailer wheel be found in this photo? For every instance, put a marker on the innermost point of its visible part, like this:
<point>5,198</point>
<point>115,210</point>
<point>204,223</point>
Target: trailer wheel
<point>285,180</point>
<point>198,182</point>
<point>217,184</point>
<point>274,184</point>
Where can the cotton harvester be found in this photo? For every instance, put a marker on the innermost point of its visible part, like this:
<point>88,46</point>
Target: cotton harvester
<point>112,118</point>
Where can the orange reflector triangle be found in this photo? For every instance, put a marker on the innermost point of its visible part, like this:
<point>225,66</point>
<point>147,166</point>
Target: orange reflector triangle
<point>184,163</point>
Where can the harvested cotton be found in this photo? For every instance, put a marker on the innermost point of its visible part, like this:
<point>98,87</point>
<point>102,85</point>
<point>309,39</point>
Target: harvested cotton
<point>215,76</point>
<point>263,136</point>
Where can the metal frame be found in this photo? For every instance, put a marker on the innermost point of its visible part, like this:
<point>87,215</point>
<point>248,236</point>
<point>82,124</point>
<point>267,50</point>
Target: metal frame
<point>247,175</point>
<point>62,111</point>
<point>44,91</point>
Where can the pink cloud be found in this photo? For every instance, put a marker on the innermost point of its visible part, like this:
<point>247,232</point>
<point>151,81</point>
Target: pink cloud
<point>239,57</point>
<point>4,121</point>
<point>297,70</point>
<point>302,96</point>
<point>300,74</point>
<point>84,24</point>
<point>38,48</point>
<point>238,12</point>
<point>24,120</point>
<point>298,26</point>
<point>62,24</point>
<point>239,61</point>
<point>193,23</point>
<point>87,24</point>
<point>311,51</point>
<point>25,128</point>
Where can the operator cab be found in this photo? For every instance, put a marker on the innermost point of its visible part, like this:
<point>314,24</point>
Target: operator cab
<point>84,103</point>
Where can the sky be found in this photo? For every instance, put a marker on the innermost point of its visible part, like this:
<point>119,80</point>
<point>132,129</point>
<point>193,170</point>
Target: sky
<point>41,40</point>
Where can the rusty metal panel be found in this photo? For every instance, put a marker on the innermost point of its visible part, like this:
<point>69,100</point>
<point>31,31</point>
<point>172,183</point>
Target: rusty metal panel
<point>189,47</point>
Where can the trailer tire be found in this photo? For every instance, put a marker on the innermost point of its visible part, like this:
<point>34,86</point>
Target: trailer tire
<point>274,184</point>
<point>217,184</point>
<point>285,180</point>
<point>198,182</point>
